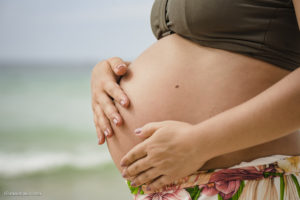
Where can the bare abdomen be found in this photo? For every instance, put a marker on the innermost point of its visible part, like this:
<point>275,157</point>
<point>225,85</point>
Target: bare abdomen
<point>175,79</point>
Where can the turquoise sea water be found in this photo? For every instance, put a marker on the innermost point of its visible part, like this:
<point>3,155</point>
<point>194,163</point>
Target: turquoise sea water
<point>48,143</point>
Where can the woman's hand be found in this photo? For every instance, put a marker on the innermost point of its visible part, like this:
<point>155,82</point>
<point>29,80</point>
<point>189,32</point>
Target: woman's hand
<point>104,86</point>
<point>169,154</point>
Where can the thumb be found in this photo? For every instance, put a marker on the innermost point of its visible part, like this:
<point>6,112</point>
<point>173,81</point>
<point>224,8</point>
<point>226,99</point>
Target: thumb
<point>147,130</point>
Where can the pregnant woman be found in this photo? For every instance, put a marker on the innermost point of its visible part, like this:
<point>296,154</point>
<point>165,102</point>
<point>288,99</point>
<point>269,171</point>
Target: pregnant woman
<point>214,109</point>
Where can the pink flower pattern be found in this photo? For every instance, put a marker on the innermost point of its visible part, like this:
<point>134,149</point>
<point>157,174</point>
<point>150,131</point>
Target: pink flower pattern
<point>226,182</point>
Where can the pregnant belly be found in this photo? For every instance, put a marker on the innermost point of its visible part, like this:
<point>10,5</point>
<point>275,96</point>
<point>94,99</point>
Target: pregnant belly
<point>175,79</point>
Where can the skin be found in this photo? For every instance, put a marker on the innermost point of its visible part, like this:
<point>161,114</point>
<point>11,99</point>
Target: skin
<point>105,76</point>
<point>231,123</point>
<point>198,97</point>
<point>270,115</point>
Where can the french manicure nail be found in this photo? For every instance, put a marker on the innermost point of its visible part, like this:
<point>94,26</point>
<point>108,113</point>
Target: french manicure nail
<point>120,66</point>
<point>122,102</point>
<point>115,121</point>
<point>138,131</point>
<point>106,132</point>
<point>99,141</point>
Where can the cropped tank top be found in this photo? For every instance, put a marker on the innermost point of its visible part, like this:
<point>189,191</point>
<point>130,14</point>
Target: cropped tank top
<point>263,29</point>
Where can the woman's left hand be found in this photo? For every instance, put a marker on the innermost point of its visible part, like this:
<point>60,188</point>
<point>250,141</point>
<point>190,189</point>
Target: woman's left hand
<point>172,152</point>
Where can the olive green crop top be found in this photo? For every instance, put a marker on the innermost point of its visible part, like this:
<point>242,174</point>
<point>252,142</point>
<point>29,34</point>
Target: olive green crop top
<point>263,29</point>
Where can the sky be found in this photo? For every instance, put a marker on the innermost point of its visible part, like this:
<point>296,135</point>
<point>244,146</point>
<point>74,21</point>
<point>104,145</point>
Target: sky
<point>74,29</point>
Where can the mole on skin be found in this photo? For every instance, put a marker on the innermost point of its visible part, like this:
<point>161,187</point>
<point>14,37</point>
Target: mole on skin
<point>176,86</point>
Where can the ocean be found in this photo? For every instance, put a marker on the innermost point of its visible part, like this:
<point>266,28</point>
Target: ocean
<point>48,143</point>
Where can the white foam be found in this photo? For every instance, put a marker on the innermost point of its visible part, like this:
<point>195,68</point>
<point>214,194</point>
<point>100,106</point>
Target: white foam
<point>13,164</point>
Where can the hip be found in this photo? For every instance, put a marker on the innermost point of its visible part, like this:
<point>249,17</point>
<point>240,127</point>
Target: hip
<point>272,177</point>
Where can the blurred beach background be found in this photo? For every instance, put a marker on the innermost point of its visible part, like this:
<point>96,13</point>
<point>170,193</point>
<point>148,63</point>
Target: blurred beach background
<point>48,143</point>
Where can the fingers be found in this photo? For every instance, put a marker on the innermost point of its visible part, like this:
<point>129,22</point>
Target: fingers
<point>100,135</point>
<point>118,66</point>
<point>105,88</point>
<point>104,125</point>
<point>159,183</point>
<point>136,168</point>
<point>101,139</point>
<point>148,129</point>
<point>134,154</point>
<point>109,109</point>
<point>145,177</point>
<point>114,90</point>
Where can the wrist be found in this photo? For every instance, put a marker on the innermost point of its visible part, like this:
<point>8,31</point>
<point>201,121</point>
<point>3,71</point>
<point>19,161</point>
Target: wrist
<point>204,141</point>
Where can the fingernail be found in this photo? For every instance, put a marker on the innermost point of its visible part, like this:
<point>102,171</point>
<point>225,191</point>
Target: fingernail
<point>120,66</point>
<point>123,102</point>
<point>138,131</point>
<point>124,174</point>
<point>115,120</point>
<point>148,188</point>
<point>133,184</point>
<point>99,141</point>
<point>106,132</point>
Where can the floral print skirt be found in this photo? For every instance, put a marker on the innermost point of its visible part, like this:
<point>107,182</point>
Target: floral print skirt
<point>268,178</point>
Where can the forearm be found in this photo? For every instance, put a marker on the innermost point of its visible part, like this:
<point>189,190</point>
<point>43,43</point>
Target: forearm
<point>272,114</point>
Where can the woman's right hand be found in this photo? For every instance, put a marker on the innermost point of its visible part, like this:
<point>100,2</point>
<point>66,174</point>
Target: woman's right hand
<point>105,89</point>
